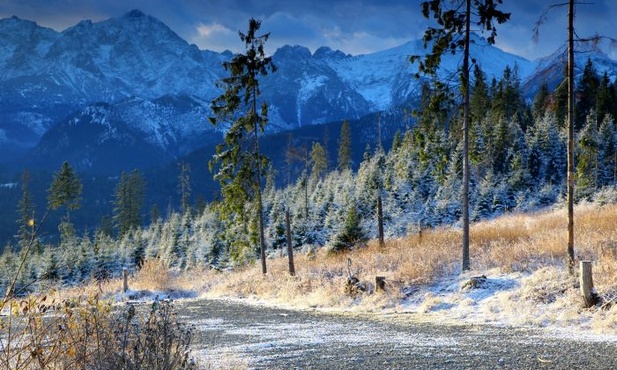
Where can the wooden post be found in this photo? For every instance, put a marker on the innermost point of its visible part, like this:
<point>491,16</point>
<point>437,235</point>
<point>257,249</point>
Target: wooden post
<point>380,220</point>
<point>380,283</point>
<point>586,282</point>
<point>125,280</point>
<point>290,249</point>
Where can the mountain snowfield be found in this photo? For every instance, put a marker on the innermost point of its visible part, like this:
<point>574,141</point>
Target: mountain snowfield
<point>133,61</point>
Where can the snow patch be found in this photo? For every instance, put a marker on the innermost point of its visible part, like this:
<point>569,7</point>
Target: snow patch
<point>308,86</point>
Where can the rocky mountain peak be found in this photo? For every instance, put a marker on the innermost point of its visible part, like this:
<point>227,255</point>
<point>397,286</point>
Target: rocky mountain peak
<point>325,52</point>
<point>296,52</point>
<point>135,13</point>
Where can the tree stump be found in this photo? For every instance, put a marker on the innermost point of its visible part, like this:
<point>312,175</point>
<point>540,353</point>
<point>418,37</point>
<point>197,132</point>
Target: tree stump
<point>475,282</point>
<point>351,286</point>
<point>590,297</point>
<point>125,281</point>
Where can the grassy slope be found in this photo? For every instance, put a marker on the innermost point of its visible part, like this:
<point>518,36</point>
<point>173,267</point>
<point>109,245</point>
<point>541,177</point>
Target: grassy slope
<point>522,255</point>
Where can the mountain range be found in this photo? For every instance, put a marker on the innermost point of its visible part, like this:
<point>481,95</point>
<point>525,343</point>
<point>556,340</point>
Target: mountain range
<point>128,92</point>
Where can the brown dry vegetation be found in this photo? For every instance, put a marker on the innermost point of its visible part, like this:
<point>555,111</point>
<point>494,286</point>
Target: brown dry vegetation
<point>512,243</point>
<point>529,248</point>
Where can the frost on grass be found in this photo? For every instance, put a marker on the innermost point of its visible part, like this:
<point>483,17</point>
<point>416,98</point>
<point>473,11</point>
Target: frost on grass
<point>547,297</point>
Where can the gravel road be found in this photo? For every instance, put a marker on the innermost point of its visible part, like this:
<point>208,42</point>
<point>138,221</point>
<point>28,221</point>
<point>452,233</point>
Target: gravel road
<point>267,338</point>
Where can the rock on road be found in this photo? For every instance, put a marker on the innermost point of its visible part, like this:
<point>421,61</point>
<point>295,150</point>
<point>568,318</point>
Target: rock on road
<point>271,338</point>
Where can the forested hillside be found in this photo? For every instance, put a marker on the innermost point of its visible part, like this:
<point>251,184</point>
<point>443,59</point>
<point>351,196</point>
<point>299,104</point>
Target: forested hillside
<point>518,156</point>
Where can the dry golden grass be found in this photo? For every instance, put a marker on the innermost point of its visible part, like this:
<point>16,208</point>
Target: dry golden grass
<point>533,244</point>
<point>512,243</point>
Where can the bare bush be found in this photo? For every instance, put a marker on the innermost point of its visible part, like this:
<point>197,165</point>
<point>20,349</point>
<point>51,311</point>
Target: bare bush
<point>88,333</point>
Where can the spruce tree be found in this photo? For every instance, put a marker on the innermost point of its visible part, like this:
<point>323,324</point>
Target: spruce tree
<point>351,234</point>
<point>586,93</point>
<point>25,208</point>
<point>319,161</point>
<point>587,165</point>
<point>65,190</point>
<point>184,186</point>
<point>480,100</point>
<point>344,147</point>
<point>607,152</point>
<point>453,19</point>
<point>241,162</point>
<point>540,102</point>
<point>129,201</point>
<point>605,98</point>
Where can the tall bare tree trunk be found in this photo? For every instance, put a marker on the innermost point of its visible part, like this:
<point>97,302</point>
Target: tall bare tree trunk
<point>262,238</point>
<point>571,136</point>
<point>465,195</point>
<point>290,249</point>
<point>380,219</point>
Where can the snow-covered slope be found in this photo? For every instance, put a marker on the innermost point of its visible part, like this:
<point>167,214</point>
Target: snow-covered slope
<point>551,69</point>
<point>135,133</point>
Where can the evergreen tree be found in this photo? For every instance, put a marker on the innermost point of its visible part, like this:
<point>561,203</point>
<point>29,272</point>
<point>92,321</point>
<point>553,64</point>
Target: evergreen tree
<point>560,103</point>
<point>184,186</point>
<point>240,172</point>
<point>587,167</point>
<point>25,208</point>
<point>319,161</point>
<point>451,23</point>
<point>507,100</point>
<point>344,147</point>
<point>606,99</point>
<point>397,140</point>
<point>607,152</point>
<point>106,225</point>
<point>546,145</point>
<point>586,94</point>
<point>447,205</point>
<point>541,102</point>
<point>351,235</point>
<point>129,201</point>
<point>480,100</point>
<point>155,213</point>
<point>65,190</point>
<point>49,267</point>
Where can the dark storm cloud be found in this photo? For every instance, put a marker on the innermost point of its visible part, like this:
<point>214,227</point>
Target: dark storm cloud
<point>353,26</point>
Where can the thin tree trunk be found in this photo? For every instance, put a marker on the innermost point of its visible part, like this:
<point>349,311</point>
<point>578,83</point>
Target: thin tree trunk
<point>290,249</point>
<point>380,219</point>
<point>571,136</point>
<point>465,195</point>
<point>262,239</point>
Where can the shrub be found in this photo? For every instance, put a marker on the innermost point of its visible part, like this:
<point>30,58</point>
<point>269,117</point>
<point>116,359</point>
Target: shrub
<point>351,234</point>
<point>89,333</point>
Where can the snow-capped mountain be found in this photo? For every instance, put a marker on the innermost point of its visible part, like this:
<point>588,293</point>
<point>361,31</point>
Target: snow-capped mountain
<point>131,81</point>
<point>47,76</point>
<point>552,68</point>
<point>133,133</point>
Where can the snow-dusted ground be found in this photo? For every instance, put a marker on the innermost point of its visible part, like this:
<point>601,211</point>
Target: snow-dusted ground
<point>516,320</point>
<point>232,334</point>
<point>546,299</point>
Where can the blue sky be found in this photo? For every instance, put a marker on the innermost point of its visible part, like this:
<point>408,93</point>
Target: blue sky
<point>353,26</point>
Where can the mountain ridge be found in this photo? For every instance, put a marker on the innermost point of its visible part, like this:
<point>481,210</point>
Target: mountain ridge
<point>132,61</point>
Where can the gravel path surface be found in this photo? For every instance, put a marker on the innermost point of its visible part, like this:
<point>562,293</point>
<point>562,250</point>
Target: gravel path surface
<point>267,338</point>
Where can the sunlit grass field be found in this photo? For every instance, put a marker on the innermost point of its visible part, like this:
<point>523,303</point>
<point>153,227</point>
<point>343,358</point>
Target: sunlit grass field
<point>529,250</point>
